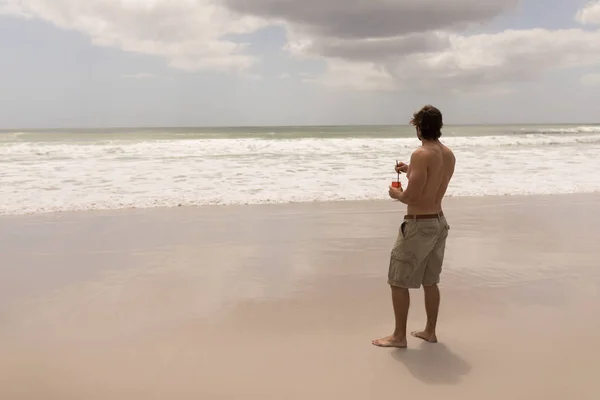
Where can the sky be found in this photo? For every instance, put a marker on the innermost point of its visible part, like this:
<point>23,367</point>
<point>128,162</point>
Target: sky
<point>145,63</point>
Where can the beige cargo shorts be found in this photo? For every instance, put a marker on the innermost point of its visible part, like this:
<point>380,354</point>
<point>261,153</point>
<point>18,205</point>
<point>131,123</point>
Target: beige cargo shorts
<point>418,254</point>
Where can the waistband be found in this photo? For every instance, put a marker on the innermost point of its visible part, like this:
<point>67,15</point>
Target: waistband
<point>424,216</point>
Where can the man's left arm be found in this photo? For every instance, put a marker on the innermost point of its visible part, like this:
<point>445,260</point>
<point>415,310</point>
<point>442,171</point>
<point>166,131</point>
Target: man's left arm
<point>418,178</point>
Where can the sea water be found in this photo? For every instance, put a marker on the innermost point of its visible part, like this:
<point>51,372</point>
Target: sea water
<point>63,170</point>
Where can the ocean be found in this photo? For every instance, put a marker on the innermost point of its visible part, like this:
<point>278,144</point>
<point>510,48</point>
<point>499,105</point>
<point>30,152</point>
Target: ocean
<point>65,170</point>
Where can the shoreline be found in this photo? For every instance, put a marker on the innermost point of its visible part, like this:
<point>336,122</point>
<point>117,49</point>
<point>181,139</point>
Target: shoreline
<point>350,203</point>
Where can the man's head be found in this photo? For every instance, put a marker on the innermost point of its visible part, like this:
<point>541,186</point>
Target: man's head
<point>428,122</point>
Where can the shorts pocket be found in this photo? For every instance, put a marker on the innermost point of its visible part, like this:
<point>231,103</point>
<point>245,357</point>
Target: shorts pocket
<point>402,228</point>
<point>401,269</point>
<point>408,229</point>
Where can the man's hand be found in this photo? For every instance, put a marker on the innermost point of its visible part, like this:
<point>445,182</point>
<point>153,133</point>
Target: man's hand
<point>402,167</point>
<point>395,192</point>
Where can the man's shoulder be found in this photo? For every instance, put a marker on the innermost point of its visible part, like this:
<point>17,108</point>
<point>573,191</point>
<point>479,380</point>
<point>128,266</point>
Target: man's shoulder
<point>422,153</point>
<point>449,152</point>
<point>419,154</point>
<point>446,148</point>
<point>420,158</point>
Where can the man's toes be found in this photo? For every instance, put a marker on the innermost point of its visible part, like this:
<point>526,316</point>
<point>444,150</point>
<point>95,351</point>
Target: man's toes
<point>381,343</point>
<point>428,337</point>
<point>389,342</point>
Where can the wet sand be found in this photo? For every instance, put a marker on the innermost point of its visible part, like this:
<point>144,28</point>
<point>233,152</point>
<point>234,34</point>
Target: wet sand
<point>282,302</point>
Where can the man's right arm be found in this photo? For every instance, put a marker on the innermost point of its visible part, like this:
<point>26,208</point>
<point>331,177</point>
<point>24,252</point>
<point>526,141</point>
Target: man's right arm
<point>402,167</point>
<point>418,178</point>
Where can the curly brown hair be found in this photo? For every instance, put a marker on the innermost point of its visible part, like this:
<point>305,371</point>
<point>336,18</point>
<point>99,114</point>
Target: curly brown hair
<point>429,122</point>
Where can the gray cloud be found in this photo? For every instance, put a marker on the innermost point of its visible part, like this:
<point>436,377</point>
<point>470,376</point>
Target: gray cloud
<point>365,44</point>
<point>389,45</point>
<point>472,62</point>
<point>373,18</point>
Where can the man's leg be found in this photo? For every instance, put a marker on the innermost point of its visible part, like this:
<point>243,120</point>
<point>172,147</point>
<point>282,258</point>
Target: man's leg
<point>401,303</point>
<point>432,306</point>
<point>431,278</point>
<point>405,271</point>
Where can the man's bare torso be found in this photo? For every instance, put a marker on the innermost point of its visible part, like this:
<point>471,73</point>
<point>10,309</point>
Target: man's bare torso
<point>440,169</point>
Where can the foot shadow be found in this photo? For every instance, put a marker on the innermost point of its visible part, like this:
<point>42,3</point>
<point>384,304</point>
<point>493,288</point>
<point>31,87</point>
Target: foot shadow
<point>433,364</point>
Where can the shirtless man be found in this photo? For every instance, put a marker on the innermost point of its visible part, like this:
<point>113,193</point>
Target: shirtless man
<point>418,254</point>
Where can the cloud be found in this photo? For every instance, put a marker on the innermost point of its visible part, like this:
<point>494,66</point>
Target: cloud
<point>139,76</point>
<point>441,56</point>
<point>11,7</point>
<point>364,44</point>
<point>366,49</point>
<point>358,19</point>
<point>509,56</point>
<point>356,76</point>
<point>590,14</point>
<point>190,34</point>
<point>591,80</point>
<point>475,62</point>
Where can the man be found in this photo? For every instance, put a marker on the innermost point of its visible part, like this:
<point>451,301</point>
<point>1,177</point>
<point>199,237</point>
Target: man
<point>418,254</point>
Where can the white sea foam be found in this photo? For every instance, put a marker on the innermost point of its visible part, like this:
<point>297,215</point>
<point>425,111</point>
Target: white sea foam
<point>61,176</point>
<point>578,129</point>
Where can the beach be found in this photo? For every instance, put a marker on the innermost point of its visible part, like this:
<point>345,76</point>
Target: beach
<point>281,301</point>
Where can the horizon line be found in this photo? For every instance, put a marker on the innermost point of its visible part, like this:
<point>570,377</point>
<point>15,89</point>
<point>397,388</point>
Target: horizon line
<point>3,130</point>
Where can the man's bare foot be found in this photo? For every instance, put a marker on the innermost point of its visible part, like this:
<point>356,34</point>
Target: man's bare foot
<point>426,336</point>
<point>390,341</point>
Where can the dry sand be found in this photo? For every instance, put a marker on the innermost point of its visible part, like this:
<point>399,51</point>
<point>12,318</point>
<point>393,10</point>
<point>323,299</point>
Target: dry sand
<point>282,302</point>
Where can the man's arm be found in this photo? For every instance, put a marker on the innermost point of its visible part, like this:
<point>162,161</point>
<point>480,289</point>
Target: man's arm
<point>418,178</point>
<point>402,167</point>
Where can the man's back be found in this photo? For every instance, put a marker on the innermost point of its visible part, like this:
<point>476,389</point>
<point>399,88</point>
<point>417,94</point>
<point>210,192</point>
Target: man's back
<point>439,162</point>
